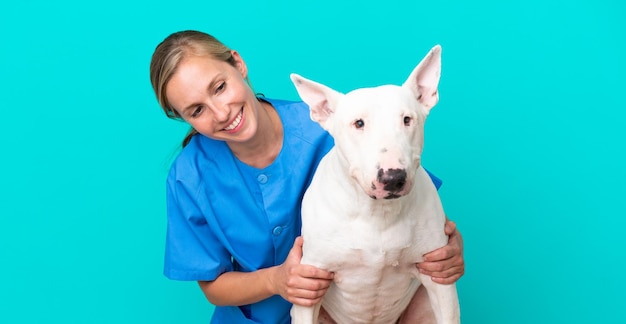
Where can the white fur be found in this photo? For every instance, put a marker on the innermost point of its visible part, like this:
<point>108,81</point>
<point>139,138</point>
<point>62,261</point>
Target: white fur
<point>360,219</point>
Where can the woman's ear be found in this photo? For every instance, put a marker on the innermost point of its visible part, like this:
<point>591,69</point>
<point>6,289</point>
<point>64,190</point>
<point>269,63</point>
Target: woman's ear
<point>240,64</point>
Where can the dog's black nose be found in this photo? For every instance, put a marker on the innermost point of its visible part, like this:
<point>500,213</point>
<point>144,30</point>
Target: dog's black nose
<point>392,179</point>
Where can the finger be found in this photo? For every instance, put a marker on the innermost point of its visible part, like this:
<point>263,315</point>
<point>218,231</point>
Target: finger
<point>430,267</point>
<point>441,265</point>
<point>445,279</point>
<point>444,273</point>
<point>449,276</point>
<point>450,227</point>
<point>308,293</point>
<point>308,288</point>
<point>448,280</point>
<point>453,248</point>
<point>309,271</point>
<point>304,294</point>
<point>298,243</point>
<point>296,251</point>
<point>440,254</point>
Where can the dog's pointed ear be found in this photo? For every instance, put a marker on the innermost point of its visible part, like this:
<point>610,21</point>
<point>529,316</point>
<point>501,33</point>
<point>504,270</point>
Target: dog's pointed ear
<point>424,79</point>
<point>320,98</point>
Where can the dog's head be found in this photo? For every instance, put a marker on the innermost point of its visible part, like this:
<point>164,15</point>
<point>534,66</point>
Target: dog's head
<point>378,132</point>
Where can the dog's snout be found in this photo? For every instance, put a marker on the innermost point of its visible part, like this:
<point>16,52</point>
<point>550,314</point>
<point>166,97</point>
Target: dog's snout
<point>393,179</point>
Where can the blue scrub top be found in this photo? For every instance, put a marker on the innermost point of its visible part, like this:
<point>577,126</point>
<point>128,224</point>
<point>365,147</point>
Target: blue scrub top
<point>224,215</point>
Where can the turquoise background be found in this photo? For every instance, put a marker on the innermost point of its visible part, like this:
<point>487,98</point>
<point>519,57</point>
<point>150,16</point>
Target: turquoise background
<point>528,137</point>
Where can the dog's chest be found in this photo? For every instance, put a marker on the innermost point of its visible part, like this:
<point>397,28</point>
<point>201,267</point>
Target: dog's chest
<point>372,246</point>
<point>374,271</point>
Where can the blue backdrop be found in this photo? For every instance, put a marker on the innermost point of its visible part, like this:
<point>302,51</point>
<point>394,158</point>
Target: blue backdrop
<point>528,137</point>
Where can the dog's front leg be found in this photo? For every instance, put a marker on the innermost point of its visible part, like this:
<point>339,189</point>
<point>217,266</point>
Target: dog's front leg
<point>443,299</point>
<point>305,315</point>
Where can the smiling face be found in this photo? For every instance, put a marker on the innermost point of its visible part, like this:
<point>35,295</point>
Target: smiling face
<point>214,98</point>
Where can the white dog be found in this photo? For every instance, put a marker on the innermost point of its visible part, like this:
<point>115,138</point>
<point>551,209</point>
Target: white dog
<point>371,211</point>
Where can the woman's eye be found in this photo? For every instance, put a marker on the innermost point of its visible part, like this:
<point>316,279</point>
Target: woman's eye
<point>359,123</point>
<point>196,112</point>
<point>220,87</point>
<point>407,121</point>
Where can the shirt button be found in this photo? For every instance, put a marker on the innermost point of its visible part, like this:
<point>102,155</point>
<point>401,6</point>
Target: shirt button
<point>261,178</point>
<point>277,230</point>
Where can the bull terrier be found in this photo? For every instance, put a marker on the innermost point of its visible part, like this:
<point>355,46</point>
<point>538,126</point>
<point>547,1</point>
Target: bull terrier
<point>371,211</point>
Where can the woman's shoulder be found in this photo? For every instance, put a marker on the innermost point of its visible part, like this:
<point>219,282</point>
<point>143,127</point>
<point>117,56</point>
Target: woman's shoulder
<point>296,118</point>
<point>288,106</point>
<point>197,157</point>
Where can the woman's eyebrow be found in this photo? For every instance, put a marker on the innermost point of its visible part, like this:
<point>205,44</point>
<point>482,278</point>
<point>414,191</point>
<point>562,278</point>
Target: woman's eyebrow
<point>208,89</point>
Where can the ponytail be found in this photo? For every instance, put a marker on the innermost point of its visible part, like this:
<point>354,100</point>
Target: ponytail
<point>188,137</point>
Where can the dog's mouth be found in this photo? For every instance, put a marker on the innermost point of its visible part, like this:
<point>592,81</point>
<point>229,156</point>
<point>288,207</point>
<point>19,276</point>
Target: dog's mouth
<point>387,195</point>
<point>393,196</point>
<point>390,195</point>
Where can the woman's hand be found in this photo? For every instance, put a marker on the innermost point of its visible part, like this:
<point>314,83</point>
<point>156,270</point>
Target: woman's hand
<point>445,265</point>
<point>298,283</point>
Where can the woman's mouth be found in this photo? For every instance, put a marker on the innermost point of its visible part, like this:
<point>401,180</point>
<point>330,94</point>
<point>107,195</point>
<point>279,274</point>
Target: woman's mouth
<point>236,123</point>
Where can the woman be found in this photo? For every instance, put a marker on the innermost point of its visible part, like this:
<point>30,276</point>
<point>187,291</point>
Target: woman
<point>234,191</point>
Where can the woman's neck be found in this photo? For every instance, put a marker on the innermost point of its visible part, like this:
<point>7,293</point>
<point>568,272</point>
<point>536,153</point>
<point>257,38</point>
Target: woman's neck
<point>266,144</point>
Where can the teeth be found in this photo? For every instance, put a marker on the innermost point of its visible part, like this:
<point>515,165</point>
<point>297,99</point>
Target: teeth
<point>235,122</point>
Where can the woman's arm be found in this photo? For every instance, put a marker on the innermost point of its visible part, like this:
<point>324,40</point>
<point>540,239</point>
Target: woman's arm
<point>297,283</point>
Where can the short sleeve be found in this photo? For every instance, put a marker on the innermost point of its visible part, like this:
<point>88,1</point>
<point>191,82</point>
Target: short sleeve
<point>192,250</point>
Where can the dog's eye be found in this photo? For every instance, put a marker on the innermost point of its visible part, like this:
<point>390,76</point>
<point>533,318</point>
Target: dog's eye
<point>407,121</point>
<point>359,123</point>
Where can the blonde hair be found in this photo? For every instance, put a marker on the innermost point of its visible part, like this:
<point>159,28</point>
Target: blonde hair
<point>168,55</point>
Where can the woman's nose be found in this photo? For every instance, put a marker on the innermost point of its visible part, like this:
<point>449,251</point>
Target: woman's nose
<point>220,112</point>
